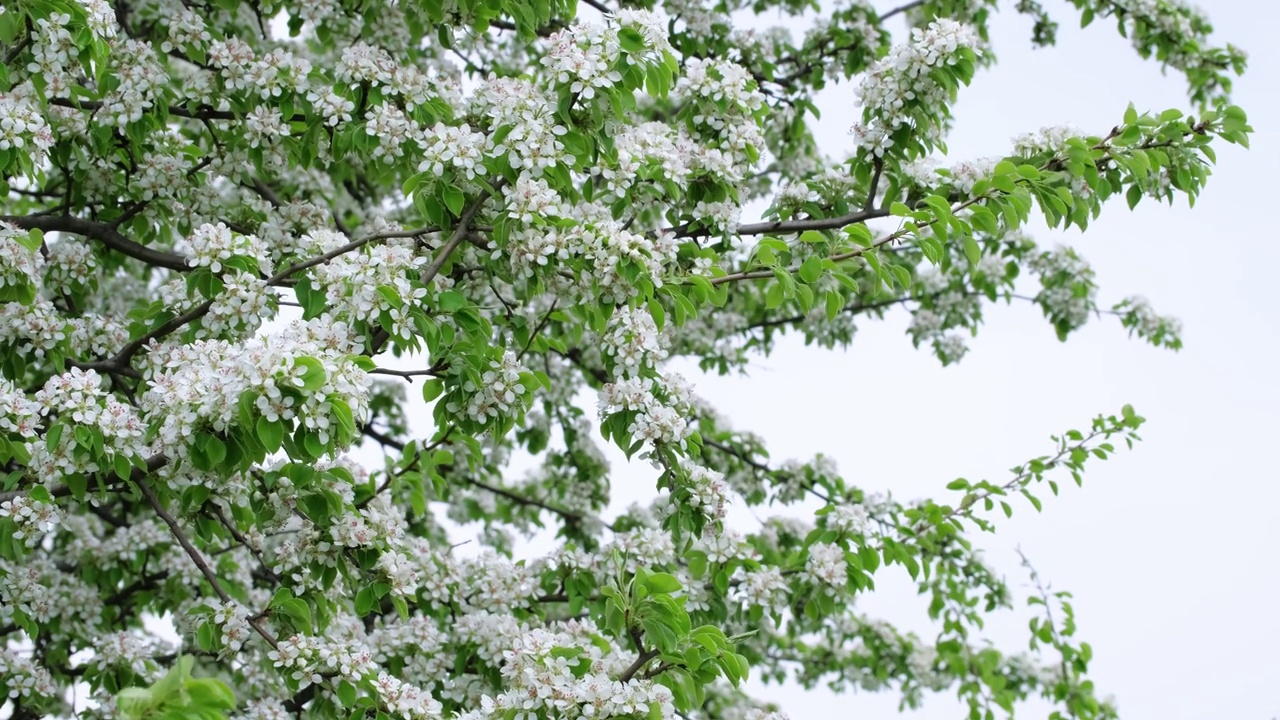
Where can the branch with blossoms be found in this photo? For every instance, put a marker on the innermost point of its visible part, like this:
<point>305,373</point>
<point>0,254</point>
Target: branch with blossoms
<point>212,231</point>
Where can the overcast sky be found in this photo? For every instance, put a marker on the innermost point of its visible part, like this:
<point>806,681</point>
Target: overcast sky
<point>1169,548</point>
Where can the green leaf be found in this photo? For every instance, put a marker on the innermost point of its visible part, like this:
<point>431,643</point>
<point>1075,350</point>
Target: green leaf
<point>697,564</point>
<point>774,295</point>
<point>365,601</point>
<point>270,433</point>
<point>860,235</point>
<point>431,389</point>
<point>454,199</point>
<point>663,583</point>
<point>631,40</point>
<point>206,637</point>
<point>813,236</point>
<point>811,269</point>
<point>347,694</point>
<point>971,250</point>
<point>215,450</point>
<point>451,301</point>
<point>901,275</point>
<point>313,374</point>
<point>40,493</point>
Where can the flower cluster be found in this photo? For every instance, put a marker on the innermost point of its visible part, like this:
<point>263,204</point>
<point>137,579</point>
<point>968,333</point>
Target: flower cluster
<point>19,415</point>
<point>765,588</point>
<point>583,58</point>
<point>943,308</point>
<point>708,491</point>
<point>540,679</point>
<point>127,650</point>
<point>52,47</point>
<point>379,278</point>
<point>20,263</point>
<point>302,374</point>
<point>71,266</point>
<point>848,519</point>
<point>77,400</point>
<point>32,518</point>
<point>1067,293</point>
<point>23,677</point>
<point>725,101</point>
<point>827,568</point>
<point>499,393</point>
<point>1142,320</point>
<point>1052,139</point>
<point>23,128</point>
<point>633,341</point>
<point>899,92</point>
<point>232,620</point>
<point>137,76</point>
<point>529,135</point>
<point>657,406</point>
<point>212,246</point>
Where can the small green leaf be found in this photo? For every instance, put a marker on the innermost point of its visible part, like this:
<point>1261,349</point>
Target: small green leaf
<point>347,694</point>
<point>270,433</point>
<point>454,199</point>
<point>774,295</point>
<point>811,269</point>
<point>431,389</point>
<point>971,250</point>
<point>451,301</point>
<point>663,583</point>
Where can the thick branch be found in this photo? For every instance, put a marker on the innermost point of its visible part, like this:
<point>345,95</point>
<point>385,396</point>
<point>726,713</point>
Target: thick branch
<point>102,233</point>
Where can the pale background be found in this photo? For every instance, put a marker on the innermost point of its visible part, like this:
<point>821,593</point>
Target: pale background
<point>1169,548</point>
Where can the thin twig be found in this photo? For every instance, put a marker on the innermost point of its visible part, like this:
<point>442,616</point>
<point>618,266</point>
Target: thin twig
<point>176,530</point>
<point>541,325</point>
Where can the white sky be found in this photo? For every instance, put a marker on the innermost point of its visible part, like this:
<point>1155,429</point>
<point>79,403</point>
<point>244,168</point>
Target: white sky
<point>1169,548</point>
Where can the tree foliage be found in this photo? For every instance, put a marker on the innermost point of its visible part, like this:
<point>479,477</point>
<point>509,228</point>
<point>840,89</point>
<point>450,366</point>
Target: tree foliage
<point>242,237</point>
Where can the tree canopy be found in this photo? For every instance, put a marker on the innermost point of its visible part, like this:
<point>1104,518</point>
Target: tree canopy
<point>239,238</point>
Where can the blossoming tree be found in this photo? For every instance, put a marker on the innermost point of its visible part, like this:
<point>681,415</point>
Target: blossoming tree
<point>222,220</point>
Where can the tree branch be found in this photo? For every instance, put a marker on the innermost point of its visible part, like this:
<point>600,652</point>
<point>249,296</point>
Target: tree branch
<point>641,660</point>
<point>794,226</point>
<point>901,9</point>
<point>176,530</point>
<point>460,233</point>
<point>406,374</point>
<point>102,233</point>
